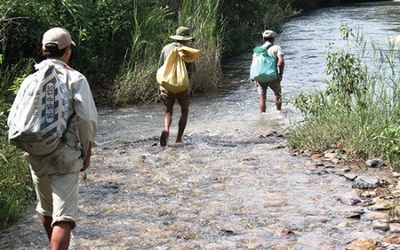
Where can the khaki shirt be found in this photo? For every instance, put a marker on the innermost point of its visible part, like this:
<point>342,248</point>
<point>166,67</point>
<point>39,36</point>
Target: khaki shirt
<point>190,67</point>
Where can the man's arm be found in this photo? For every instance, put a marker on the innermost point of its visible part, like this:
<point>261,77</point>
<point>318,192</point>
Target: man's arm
<point>281,65</point>
<point>86,161</point>
<point>86,118</point>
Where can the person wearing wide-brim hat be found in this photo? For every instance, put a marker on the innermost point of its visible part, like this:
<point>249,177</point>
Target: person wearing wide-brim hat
<point>182,34</point>
<point>182,37</point>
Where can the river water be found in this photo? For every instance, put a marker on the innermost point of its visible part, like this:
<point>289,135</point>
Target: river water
<point>232,184</point>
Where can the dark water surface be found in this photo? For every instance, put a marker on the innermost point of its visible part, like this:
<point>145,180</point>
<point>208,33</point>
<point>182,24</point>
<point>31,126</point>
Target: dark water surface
<point>230,185</point>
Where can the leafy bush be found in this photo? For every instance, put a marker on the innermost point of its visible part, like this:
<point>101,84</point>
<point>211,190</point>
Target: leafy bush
<point>358,111</point>
<point>118,42</point>
<point>15,181</point>
<point>15,184</point>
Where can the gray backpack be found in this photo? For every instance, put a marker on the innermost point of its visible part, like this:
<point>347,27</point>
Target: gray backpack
<point>38,118</point>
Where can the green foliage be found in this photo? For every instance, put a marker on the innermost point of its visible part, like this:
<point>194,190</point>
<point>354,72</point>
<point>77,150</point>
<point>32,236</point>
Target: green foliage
<point>202,17</point>
<point>358,111</point>
<point>308,5</point>
<point>241,22</point>
<point>16,187</point>
<point>15,180</point>
<point>136,83</point>
<point>118,42</point>
<point>389,140</point>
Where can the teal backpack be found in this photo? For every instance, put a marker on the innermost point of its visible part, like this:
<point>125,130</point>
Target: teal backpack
<point>263,68</point>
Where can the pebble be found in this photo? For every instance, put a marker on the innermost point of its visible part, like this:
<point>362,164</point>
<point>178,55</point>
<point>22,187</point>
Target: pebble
<point>365,243</point>
<point>395,228</point>
<point>366,182</point>
<point>374,163</point>
<point>381,226</point>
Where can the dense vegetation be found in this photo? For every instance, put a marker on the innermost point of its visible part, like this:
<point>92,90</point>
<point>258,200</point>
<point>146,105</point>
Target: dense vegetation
<point>357,115</point>
<point>118,44</point>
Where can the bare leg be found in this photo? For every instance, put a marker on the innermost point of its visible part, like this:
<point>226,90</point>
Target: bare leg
<point>263,106</point>
<point>46,221</point>
<point>169,107</point>
<point>182,126</point>
<point>165,133</point>
<point>167,120</point>
<point>278,101</point>
<point>182,121</point>
<point>61,236</point>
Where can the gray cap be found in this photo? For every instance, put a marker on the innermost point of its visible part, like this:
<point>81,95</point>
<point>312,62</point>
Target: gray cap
<point>269,33</point>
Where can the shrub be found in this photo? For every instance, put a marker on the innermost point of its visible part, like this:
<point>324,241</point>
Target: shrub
<point>358,111</point>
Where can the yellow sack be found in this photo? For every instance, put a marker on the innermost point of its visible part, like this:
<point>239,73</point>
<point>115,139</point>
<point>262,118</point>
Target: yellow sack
<point>188,54</point>
<point>173,75</point>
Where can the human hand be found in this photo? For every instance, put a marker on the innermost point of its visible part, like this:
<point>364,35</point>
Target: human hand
<point>86,161</point>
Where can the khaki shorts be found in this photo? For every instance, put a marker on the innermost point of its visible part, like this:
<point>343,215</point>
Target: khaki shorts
<point>168,99</point>
<point>56,177</point>
<point>275,85</point>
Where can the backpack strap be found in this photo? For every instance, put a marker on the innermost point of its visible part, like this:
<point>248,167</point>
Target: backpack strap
<point>64,137</point>
<point>269,46</point>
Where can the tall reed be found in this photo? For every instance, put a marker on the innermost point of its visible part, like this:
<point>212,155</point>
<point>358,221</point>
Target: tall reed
<point>202,17</point>
<point>151,32</point>
<point>136,83</point>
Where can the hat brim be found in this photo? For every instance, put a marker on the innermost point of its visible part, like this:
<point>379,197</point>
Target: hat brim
<point>182,38</point>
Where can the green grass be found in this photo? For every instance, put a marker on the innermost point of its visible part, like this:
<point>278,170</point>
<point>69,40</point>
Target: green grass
<point>358,113</point>
<point>16,187</point>
<point>119,43</point>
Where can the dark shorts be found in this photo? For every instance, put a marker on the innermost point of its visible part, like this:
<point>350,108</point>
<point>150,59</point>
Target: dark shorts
<point>169,98</point>
<point>275,85</point>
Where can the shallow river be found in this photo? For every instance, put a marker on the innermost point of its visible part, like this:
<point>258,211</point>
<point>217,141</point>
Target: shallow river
<point>232,184</point>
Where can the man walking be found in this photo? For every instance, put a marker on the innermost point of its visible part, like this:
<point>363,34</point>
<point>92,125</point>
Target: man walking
<point>56,175</point>
<point>182,38</point>
<point>276,53</point>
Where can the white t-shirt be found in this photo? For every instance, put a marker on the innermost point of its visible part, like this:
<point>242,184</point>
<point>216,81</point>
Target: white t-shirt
<point>274,51</point>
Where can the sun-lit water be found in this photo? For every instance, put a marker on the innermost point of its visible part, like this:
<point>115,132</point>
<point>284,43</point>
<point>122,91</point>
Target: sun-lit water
<point>305,42</point>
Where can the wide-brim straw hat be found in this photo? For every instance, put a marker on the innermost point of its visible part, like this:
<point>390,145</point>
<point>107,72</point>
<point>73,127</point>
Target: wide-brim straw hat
<point>182,34</point>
